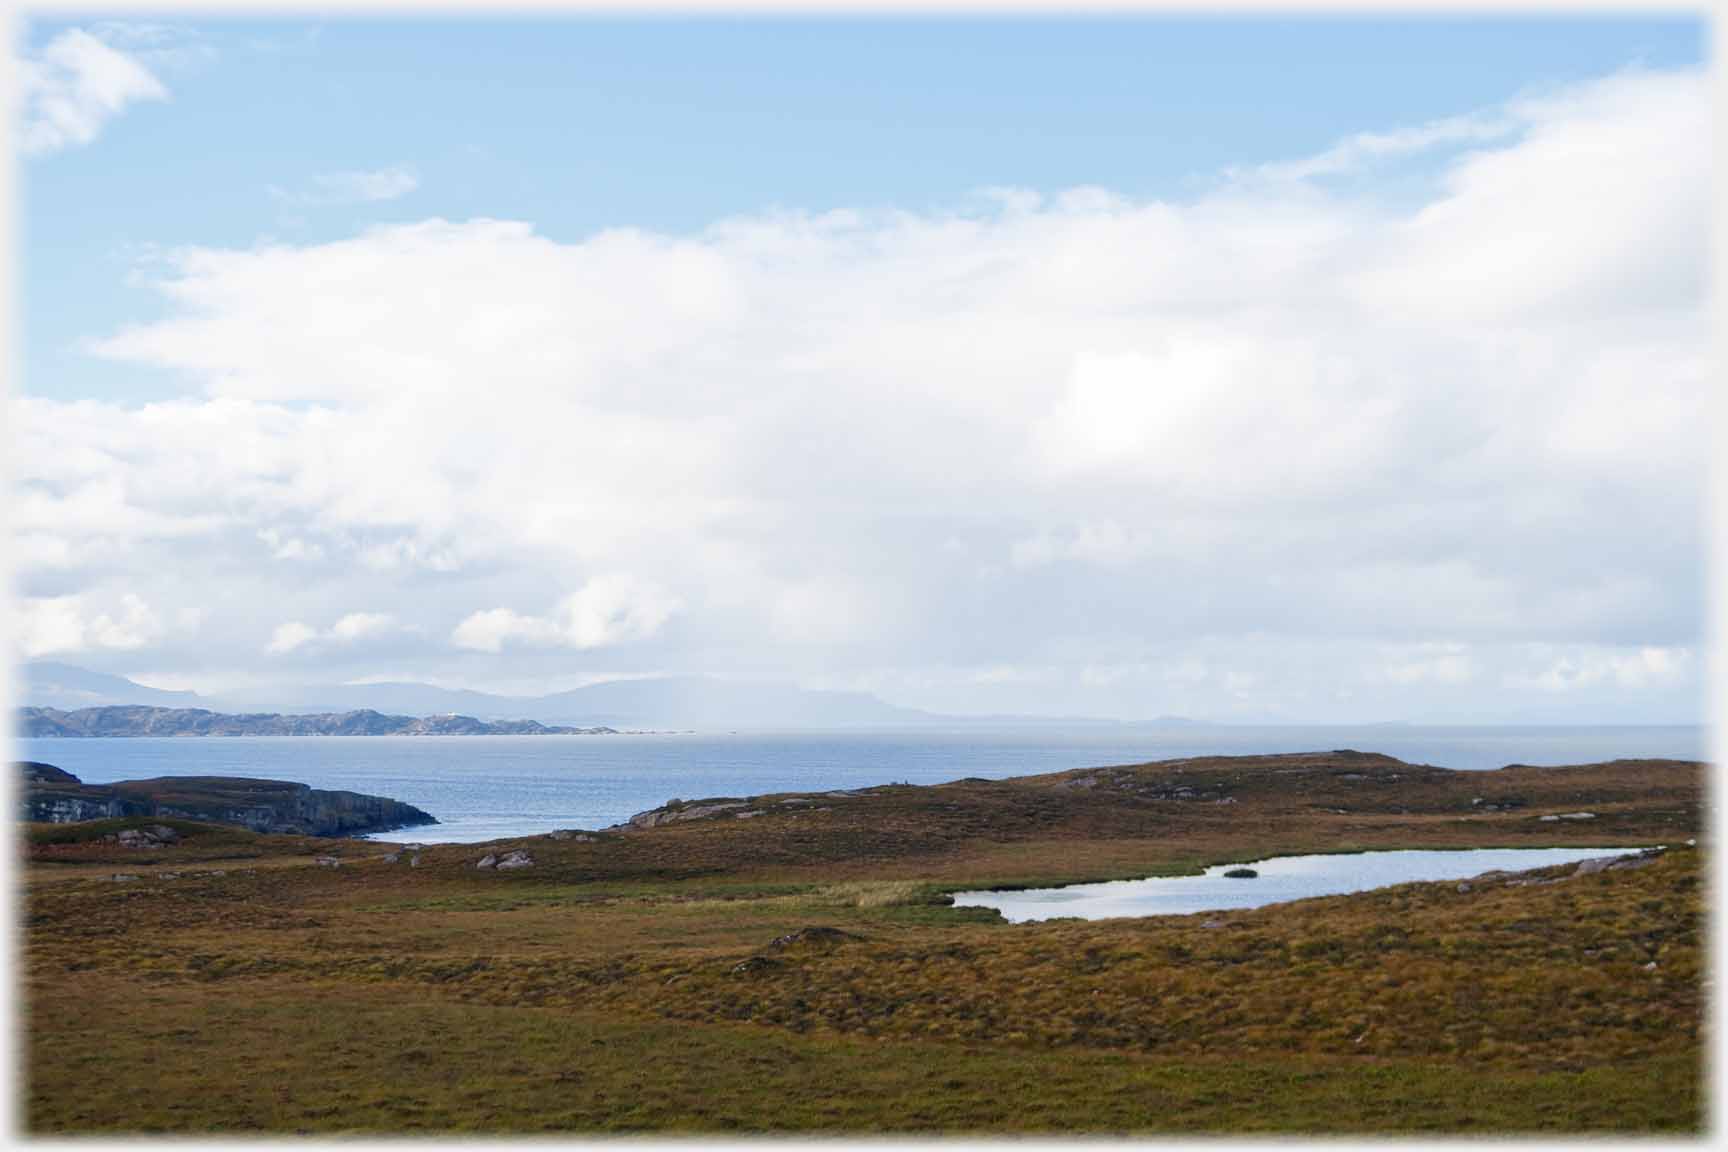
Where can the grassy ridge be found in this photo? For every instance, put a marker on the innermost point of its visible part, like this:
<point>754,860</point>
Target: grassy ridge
<point>667,980</point>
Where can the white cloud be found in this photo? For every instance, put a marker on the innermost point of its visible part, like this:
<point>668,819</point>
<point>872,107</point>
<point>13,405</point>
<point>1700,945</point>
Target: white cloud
<point>74,86</point>
<point>1067,433</point>
<point>1585,666</point>
<point>1428,663</point>
<point>166,46</point>
<point>1365,149</point>
<point>612,608</point>
<point>1524,230</point>
<point>51,625</point>
<point>357,625</point>
<point>360,186</point>
<point>609,609</point>
<point>490,630</point>
<point>290,636</point>
<point>295,635</point>
<point>284,546</point>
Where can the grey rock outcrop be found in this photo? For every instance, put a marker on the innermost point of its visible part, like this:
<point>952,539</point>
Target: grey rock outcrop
<point>678,811</point>
<point>155,836</point>
<point>277,806</point>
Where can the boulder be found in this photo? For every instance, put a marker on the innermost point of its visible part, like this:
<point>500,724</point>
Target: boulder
<point>516,859</point>
<point>820,937</point>
<point>757,964</point>
<point>677,812</point>
<point>487,861</point>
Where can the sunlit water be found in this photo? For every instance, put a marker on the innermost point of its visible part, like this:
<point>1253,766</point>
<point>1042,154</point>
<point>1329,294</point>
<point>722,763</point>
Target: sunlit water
<point>489,787</point>
<point>1280,879</point>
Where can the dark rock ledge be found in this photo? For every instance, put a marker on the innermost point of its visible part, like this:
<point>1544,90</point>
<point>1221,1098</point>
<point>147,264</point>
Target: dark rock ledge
<point>54,796</point>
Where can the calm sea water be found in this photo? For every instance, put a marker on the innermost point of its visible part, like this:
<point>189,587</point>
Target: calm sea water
<point>1281,878</point>
<point>489,787</point>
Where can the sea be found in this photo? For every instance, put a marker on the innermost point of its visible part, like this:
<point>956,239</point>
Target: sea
<point>493,787</point>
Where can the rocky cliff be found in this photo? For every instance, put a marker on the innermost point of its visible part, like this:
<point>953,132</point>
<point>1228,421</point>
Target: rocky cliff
<point>140,720</point>
<point>58,797</point>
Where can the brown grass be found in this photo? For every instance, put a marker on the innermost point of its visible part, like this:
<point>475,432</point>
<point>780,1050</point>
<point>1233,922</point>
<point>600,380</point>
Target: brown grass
<point>632,984</point>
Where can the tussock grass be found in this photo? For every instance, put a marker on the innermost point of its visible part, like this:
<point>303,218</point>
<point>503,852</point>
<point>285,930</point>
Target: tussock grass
<point>880,893</point>
<point>632,985</point>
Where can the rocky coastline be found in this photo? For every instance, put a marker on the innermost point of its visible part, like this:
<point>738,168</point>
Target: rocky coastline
<point>54,796</point>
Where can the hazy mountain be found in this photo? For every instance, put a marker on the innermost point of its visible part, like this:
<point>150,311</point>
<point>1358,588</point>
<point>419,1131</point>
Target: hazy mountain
<point>48,684</point>
<point>399,698</point>
<point>694,702</point>
<point>663,702</point>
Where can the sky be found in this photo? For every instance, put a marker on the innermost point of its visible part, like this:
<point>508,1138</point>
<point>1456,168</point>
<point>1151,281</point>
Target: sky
<point>1325,370</point>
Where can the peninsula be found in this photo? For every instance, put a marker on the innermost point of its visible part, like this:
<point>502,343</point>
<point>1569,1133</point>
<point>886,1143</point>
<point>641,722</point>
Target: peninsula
<point>54,796</point>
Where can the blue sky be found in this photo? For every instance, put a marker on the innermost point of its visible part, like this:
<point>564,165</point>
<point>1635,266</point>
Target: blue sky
<point>1256,369</point>
<point>670,124</point>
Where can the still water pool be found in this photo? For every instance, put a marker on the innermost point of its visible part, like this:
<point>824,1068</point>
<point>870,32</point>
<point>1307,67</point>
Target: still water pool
<point>1280,878</point>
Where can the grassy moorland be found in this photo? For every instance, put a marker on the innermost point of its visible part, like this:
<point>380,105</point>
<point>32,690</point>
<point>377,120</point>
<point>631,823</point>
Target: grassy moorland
<point>799,969</point>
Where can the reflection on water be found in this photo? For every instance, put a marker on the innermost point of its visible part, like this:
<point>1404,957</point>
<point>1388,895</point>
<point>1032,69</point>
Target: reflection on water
<point>1280,878</point>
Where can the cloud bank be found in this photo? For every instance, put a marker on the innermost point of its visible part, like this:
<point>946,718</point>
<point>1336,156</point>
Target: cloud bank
<point>1287,448</point>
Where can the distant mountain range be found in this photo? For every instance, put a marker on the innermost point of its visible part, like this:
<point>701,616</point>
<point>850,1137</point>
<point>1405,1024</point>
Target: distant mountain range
<point>145,720</point>
<point>47,684</point>
<point>692,702</point>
